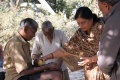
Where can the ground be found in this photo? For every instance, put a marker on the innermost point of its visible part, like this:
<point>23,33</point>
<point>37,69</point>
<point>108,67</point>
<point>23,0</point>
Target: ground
<point>77,75</point>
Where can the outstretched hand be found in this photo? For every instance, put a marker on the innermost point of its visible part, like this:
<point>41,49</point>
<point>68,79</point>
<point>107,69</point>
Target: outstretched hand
<point>85,61</point>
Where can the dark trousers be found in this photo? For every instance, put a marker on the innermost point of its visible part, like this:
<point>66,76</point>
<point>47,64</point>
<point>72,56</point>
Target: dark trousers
<point>2,75</point>
<point>35,76</point>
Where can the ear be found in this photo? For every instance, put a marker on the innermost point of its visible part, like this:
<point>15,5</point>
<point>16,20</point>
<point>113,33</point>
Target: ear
<point>107,6</point>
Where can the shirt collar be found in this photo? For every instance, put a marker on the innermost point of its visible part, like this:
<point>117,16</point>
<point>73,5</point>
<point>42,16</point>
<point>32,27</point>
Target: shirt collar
<point>21,38</point>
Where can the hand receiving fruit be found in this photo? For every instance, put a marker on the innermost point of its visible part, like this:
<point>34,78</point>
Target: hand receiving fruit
<point>38,63</point>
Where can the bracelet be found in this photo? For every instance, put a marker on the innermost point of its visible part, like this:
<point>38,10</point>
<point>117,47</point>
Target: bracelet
<point>52,55</point>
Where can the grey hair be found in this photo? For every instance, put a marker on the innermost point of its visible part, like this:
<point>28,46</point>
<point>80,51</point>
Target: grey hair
<point>28,22</point>
<point>110,2</point>
<point>46,25</point>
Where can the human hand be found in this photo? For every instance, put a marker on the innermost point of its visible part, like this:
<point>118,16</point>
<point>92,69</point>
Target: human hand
<point>35,56</point>
<point>38,63</point>
<point>85,61</point>
<point>46,57</point>
<point>43,59</point>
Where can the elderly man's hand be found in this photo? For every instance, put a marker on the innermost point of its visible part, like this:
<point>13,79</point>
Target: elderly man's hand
<point>43,59</point>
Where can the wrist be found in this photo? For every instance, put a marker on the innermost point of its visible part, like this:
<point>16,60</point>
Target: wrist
<point>92,60</point>
<point>52,56</point>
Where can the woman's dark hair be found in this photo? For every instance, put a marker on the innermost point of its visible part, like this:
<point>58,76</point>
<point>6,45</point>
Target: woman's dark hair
<point>86,13</point>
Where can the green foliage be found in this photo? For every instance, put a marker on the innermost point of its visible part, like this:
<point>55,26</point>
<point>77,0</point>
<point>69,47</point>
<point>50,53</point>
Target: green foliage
<point>68,6</point>
<point>57,5</point>
<point>65,6</point>
<point>9,19</point>
<point>9,24</point>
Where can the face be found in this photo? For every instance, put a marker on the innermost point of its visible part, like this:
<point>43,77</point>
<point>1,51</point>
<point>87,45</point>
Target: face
<point>30,33</point>
<point>85,24</point>
<point>104,7</point>
<point>48,33</point>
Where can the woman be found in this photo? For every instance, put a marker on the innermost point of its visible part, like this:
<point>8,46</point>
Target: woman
<point>84,44</point>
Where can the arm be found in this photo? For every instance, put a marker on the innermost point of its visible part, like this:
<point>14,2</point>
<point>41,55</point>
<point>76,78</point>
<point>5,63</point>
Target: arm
<point>36,52</point>
<point>18,57</point>
<point>57,54</point>
<point>67,49</point>
<point>50,66</point>
<point>88,60</point>
<point>23,66</point>
<point>109,47</point>
<point>63,39</point>
<point>34,70</point>
<point>59,62</point>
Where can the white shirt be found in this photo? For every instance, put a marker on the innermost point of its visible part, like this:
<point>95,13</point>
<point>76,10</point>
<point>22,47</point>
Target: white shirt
<point>42,44</point>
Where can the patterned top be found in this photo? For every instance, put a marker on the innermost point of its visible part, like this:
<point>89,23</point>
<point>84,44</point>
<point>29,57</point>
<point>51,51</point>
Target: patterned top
<point>82,45</point>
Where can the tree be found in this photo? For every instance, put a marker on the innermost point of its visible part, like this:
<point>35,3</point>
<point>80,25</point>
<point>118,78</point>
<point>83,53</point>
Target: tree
<point>47,7</point>
<point>15,3</point>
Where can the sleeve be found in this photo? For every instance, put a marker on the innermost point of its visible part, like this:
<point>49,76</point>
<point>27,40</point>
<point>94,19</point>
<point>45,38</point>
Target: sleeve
<point>36,46</point>
<point>108,47</point>
<point>18,57</point>
<point>63,38</point>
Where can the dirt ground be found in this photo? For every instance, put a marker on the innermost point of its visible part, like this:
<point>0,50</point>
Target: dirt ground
<point>76,75</point>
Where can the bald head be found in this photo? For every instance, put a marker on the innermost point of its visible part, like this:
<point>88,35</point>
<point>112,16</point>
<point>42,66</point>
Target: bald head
<point>46,26</point>
<point>110,2</point>
<point>47,29</point>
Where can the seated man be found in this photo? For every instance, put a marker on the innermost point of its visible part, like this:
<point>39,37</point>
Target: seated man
<point>17,56</point>
<point>47,41</point>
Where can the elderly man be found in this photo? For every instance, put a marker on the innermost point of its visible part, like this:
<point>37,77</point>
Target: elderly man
<point>109,47</point>
<point>17,56</point>
<point>47,41</point>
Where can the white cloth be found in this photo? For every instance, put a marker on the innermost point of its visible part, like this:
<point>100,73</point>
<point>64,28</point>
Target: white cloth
<point>42,45</point>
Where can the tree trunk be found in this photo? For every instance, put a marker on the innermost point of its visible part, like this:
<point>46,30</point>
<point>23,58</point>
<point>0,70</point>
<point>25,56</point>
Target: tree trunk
<point>47,7</point>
